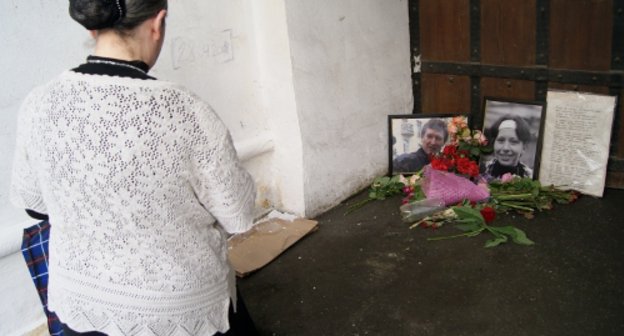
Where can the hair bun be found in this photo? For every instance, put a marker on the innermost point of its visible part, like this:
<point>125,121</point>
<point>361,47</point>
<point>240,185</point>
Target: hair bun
<point>96,14</point>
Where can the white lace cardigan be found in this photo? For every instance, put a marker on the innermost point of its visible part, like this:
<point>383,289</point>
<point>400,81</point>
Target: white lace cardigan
<point>140,180</point>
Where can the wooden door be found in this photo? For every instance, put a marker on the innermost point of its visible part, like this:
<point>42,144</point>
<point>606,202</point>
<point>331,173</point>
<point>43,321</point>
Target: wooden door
<point>464,50</point>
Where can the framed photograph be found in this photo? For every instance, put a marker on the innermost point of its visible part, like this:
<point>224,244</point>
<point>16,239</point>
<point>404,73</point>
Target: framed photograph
<point>514,129</point>
<point>413,137</point>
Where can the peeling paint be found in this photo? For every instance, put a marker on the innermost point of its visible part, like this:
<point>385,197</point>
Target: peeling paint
<point>417,64</point>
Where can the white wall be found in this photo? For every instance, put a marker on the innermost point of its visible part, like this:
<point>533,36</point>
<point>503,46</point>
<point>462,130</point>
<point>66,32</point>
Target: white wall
<point>278,99</point>
<point>351,65</point>
<point>210,47</point>
<point>305,87</point>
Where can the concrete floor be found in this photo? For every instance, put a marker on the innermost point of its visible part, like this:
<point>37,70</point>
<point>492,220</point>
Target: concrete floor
<point>368,274</point>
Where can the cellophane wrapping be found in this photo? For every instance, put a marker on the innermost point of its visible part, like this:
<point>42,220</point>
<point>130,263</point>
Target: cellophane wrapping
<point>451,188</point>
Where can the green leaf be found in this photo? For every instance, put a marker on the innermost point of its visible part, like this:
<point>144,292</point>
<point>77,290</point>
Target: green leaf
<point>466,212</point>
<point>470,226</point>
<point>521,238</point>
<point>475,151</point>
<point>396,179</point>
<point>418,194</point>
<point>380,182</point>
<point>517,236</point>
<point>509,230</point>
<point>496,241</point>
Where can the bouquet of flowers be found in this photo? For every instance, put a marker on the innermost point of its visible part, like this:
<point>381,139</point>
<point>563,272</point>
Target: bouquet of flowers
<point>453,173</point>
<point>461,155</point>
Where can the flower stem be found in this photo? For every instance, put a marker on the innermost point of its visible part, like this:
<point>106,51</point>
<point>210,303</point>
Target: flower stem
<point>465,234</point>
<point>357,205</point>
<point>513,197</point>
<point>518,207</point>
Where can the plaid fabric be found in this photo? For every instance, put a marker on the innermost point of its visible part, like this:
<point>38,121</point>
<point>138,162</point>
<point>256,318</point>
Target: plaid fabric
<point>35,251</point>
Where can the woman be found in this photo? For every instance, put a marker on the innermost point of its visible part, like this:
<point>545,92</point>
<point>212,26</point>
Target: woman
<point>141,183</point>
<point>511,135</point>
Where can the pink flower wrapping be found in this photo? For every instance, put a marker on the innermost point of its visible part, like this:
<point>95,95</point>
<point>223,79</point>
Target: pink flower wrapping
<point>451,188</point>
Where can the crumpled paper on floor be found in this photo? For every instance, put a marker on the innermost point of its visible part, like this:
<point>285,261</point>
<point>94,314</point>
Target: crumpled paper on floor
<point>254,249</point>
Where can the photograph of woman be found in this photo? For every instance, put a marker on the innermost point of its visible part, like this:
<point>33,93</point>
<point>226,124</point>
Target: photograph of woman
<point>513,131</point>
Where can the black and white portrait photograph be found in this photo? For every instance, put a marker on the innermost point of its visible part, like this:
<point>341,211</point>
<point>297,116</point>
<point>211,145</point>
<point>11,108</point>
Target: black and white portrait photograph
<point>413,138</point>
<point>513,128</point>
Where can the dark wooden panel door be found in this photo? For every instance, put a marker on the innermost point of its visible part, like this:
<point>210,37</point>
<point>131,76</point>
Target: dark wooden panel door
<point>501,20</point>
<point>445,37</point>
<point>436,90</point>
<point>464,50</point>
<point>581,34</point>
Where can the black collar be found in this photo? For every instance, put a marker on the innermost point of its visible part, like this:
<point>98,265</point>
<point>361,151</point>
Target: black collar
<point>97,65</point>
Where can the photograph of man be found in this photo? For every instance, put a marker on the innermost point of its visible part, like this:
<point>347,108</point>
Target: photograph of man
<point>433,136</point>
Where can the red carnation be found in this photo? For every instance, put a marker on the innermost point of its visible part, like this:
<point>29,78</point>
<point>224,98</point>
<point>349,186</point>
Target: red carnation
<point>488,214</point>
<point>449,150</point>
<point>439,164</point>
<point>473,169</point>
<point>463,165</point>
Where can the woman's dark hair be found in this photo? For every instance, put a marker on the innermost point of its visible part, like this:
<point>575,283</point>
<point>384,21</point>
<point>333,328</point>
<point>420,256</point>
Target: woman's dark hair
<point>523,131</point>
<point>121,15</point>
<point>437,125</point>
